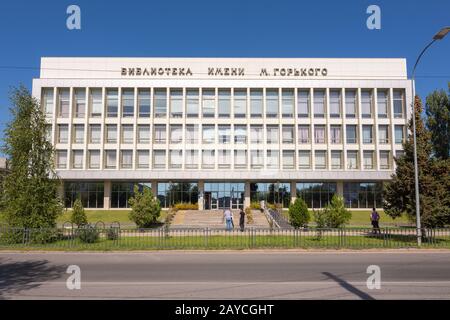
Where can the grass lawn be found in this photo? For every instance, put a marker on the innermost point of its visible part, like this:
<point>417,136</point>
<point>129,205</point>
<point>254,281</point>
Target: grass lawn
<point>107,216</point>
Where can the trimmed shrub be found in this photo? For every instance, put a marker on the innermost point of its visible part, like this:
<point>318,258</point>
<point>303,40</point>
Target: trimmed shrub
<point>88,234</point>
<point>249,215</point>
<point>78,216</point>
<point>336,215</point>
<point>112,233</point>
<point>271,206</point>
<point>298,213</point>
<point>255,205</point>
<point>185,206</point>
<point>145,208</point>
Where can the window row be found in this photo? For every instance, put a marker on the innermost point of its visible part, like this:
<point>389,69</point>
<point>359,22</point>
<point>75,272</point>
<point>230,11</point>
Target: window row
<point>224,159</point>
<point>225,134</point>
<point>224,102</point>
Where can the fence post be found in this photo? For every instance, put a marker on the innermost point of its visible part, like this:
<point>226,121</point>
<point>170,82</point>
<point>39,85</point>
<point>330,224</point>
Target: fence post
<point>205,235</point>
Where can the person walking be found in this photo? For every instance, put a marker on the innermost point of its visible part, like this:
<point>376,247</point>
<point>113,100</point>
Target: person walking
<point>242,219</point>
<point>228,217</point>
<point>375,220</point>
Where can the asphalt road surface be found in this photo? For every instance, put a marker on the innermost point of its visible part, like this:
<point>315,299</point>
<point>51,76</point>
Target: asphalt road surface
<point>227,275</point>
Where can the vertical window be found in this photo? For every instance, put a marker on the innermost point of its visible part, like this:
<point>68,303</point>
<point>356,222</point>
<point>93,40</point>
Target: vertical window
<point>48,101</point>
<point>382,103</point>
<point>383,134</point>
<point>272,103</point>
<point>110,159</point>
<point>288,159</point>
<point>61,159</point>
<point>144,103</point>
<point>335,103</point>
<point>208,133</point>
<point>303,103</point>
<point>160,103</point>
<point>111,133</point>
<point>320,158</point>
<point>368,159</point>
<point>303,134</point>
<point>288,134</point>
<point>224,134</point>
<point>224,159</point>
<point>399,103</point>
<point>351,134</point>
<point>240,103</point>
<point>64,103</point>
<point>399,134</point>
<point>95,133</point>
<point>319,134</point>
<point>256,103</point>
<point>176,133</point>
<point>272,134</point>
<point>256,134</point>
<point>209,103</point>
<point>94,159</point>
<point>208,159</point>
<point>112,103</point>
<point>256,159</point>
<point>399,153</point>
<point>143,133</point>
<point>176,103</point>
<point>366,103</point>
<point>48,133</point>
<point>336,159</point>
<point>350,103</point>
<point>160,133</point>
<point>240,159</point>
<point>159,159</point>
<point>384,160</point>
<point>143,159</point>
<point>96,102</point>
<point>304,159</point>
<point>192,133</point>
<point>77,159</point>
<point>127,133</point>
<point>335,134</point>
<point>63,133</point>
<point>224,103</point>
<point>352,159</point>
<point>78,135</point>
<point>128,103</point>
<point>192,103</point>
<point>80,103</point>
<point>319,103</point>
<point>273,159</point>
<point>240,134</point>
<point>176,159</point>
<point>367,132</point>
<point>191,159</point>
<point>287,103</point>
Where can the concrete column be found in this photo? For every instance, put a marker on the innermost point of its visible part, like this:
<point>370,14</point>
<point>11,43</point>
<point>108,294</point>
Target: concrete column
<point>154,188</point>
<point>293,191</point>
<point>61,191</point>
<point>201,191</point>
<point>247,195</point>
<point>340,188</point>
<point>107,195</point>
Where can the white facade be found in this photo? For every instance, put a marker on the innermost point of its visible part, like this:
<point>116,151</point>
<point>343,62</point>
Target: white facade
<point>251,119</point>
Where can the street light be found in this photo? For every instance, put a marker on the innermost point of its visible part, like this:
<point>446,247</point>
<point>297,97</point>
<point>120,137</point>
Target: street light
<point>438,36</point>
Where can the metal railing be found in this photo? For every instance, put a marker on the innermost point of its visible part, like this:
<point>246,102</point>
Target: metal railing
<point>115,238</point>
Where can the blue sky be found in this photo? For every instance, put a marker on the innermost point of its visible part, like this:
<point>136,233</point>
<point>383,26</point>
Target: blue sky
<point>227,28</point>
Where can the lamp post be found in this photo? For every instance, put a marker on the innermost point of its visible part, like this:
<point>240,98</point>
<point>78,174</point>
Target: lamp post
<point>438,36</point>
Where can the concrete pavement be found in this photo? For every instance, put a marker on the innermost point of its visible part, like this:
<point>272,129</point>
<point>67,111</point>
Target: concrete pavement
<point>405,274</point>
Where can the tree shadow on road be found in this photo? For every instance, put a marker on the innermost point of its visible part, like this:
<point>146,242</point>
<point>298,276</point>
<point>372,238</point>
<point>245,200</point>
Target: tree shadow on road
<point>347,286</point>
<point>17,276</point>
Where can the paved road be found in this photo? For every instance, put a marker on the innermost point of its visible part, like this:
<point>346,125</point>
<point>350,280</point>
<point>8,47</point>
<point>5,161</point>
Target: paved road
<point>227,275</point>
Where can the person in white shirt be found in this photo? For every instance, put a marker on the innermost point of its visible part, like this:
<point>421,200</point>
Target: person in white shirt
<point>228,217</point>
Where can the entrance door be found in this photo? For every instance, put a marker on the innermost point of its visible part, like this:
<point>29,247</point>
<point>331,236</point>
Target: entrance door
<point>207,200</point>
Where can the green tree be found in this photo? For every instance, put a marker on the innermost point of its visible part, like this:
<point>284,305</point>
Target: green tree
<point>145,208</point>
<point>298,213</point>
<point>78,216</point>
<point>434,180</point>
<point>335,213</point>
<point>438,122</point>
<point>30,194</point>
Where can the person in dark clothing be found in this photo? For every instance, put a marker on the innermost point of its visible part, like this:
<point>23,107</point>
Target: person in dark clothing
<point>374,219</point>
<point>242,220</point>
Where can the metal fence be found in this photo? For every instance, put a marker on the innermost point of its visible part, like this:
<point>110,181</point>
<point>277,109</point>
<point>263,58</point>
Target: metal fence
<point>115,238</point>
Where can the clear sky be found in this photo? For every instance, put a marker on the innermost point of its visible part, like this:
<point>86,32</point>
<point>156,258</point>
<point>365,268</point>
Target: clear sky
<point>227,28</point>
